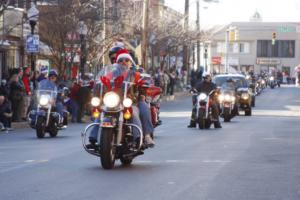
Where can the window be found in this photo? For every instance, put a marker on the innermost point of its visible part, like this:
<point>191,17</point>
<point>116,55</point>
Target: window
<point>244,47</point>
<point>281,49</point>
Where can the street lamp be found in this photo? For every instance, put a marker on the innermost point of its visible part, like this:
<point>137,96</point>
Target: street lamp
<point>33,15</point>
<point>83,30</point>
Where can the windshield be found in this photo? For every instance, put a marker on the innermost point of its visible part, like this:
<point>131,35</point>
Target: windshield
<point>239,82</point>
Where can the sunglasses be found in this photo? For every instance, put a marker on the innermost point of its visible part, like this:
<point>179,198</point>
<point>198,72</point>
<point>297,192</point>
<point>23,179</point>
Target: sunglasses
<point>124,60</point>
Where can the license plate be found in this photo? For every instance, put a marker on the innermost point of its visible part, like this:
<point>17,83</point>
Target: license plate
<point>107,122</point>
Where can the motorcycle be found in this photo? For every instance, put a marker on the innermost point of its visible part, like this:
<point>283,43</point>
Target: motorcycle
<point>227,105</point>
<point>272,82</point>
<point>204,109</point>
<point>114,107</point>
<point>45,119</point>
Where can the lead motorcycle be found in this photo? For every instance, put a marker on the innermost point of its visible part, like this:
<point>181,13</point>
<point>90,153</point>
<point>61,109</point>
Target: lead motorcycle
<point>204,109</point>
<point>114,107</point>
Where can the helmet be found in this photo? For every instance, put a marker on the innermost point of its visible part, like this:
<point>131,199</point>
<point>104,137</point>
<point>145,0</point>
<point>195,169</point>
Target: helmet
<point>53,72</point>
<point>205,74</point>
<point>114,50</point>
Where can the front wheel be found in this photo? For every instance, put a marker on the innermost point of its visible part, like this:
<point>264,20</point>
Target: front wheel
<point>40,127</point>
<point>227,115</point>
<point>107,149</point>
<point>53,130</point>
<point>248,112</point>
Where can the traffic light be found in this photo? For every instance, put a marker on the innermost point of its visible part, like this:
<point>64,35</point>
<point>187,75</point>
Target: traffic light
<point>231,35</point>
<point>236,35</point>
<point>273,38</point>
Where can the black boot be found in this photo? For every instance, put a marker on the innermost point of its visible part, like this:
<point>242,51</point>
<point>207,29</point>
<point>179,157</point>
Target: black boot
<point>217,124</point>
<point>192,124</point>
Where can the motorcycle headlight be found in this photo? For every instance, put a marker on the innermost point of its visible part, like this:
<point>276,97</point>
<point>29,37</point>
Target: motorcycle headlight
<point>271,78</point>
<point>221,98</point>
<point>227,97</point>
<point>202,97</point>
<point>127,103</point>
<point>44,100</point>
<point>263,82</point>
<point>95,101</point>
<point>232,98</point>
<point>111,99</point>
<point>245,96</point>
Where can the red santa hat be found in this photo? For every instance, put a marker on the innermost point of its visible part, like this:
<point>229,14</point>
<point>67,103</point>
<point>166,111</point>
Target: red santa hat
<point>123,54</point>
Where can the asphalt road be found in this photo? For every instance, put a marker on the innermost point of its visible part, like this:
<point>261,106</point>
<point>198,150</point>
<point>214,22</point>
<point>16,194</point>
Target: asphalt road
<point>251,158</point>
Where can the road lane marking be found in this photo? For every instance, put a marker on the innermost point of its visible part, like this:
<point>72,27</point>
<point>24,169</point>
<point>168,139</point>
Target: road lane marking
<point>176,161</point>
<point>216,161</point>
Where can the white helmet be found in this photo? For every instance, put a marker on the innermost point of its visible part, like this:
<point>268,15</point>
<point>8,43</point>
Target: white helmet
<point>205,74</point>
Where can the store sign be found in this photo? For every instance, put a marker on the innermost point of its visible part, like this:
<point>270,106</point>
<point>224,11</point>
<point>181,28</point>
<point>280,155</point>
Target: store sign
<point>32,44</point>
<point>216,60</point>
<point>287,29</point>
<point>267,61</point>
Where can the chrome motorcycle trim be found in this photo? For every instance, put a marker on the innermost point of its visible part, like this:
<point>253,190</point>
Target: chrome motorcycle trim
<point>140,131</point>
<point>83,136</point>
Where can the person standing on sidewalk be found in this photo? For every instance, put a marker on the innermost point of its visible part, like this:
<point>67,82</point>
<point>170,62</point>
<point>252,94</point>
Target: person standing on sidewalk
<point>16,94</point>
<point>172,76</point>
<point>74,100</point>
<point>27,98</point>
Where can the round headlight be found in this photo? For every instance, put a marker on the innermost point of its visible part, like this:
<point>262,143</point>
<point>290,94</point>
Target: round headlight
<point>202,97</point>
<point>221,98</point>
<point>272,78</point>
<point>95,101</point>
<point>44,100</point>
<point>245,96</point>
<point>227,97</point>
<point>263,82</point>
<point>127,103</point>
<point>232,98</point>
<point>111,99</point>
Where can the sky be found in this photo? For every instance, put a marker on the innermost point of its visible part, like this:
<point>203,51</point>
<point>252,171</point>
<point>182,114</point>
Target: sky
<point>227,11</point>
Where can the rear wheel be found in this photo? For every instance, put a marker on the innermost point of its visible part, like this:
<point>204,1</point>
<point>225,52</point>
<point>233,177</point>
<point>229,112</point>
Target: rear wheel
<point>107,149</point>
<point>40,127</point>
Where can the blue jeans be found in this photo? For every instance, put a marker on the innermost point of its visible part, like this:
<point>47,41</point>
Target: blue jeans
<point>141,117</point>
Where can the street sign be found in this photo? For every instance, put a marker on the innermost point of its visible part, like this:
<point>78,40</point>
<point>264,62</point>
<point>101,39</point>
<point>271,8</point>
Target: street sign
<point>32,43</point>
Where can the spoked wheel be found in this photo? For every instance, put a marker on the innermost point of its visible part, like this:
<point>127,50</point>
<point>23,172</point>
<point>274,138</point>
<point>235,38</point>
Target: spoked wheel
<point>107,149</point>
<point>40,127</point>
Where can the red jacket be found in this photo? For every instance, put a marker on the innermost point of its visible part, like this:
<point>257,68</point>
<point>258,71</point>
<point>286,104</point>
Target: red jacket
<point>26,83</point>
<point>74,91</point>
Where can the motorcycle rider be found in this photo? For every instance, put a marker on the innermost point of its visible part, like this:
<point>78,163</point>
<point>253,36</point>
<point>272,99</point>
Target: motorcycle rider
<point>141,113</point>
<point>50,84</point>
<point>206,86</point>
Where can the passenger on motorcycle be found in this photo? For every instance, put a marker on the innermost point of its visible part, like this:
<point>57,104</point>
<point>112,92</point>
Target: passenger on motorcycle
<point>141,112</point>
<point>206,86</point>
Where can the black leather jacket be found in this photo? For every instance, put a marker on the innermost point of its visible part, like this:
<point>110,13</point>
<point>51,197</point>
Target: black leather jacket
<point>205,87</point>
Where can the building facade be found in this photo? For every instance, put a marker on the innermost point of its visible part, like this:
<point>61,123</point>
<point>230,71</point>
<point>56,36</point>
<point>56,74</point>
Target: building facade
<point>254,49</point>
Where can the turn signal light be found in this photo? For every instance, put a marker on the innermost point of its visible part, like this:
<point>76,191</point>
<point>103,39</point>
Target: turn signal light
<point>127,115</point>
<point>96,114</point>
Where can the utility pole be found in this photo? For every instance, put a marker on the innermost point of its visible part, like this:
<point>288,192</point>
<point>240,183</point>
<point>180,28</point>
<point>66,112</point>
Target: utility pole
<point>185,46</point>
<point>145,34</point>
<point>199,35</point>
<point>104,33</point>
